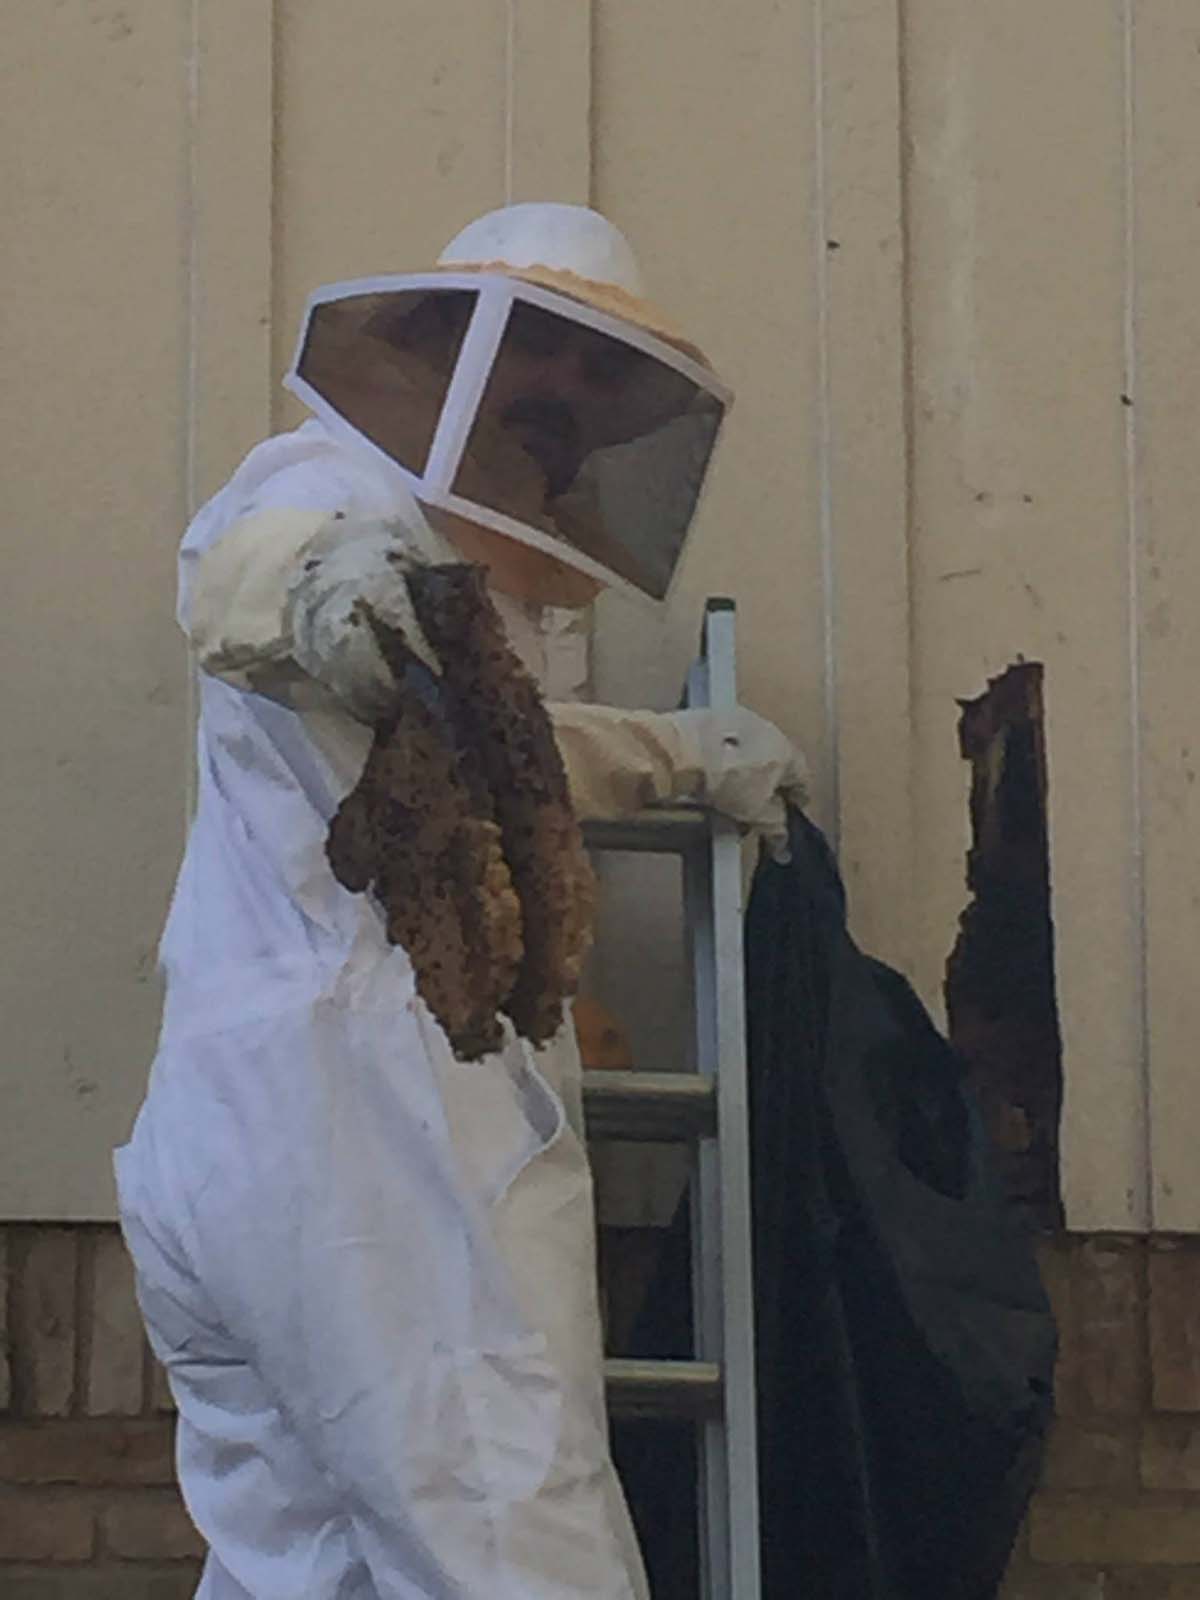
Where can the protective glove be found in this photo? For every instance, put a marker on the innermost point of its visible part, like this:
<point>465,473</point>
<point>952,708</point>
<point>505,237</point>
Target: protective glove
<point>284,589</point>
<point>348,566</point>
<point>619,762</point>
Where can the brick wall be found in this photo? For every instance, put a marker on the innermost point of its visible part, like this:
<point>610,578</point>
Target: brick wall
<point>88,1504</point>
<point>89,1511</point>
<point>1118,1515</point>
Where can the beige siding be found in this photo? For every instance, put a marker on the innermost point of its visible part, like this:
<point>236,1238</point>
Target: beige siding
<point>1019,532</point>
<point>549,101</point>
<point>229,67</point>
<point>1166,510</point>
<point>94,130</point>
<point>859,241</point>
<point>708,164</point>
<point>717,186</point>
<point>931,245</point>
<point>390,133</point>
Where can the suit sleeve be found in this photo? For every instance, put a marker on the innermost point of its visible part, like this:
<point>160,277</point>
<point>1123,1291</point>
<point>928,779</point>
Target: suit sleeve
<point>238,616</point>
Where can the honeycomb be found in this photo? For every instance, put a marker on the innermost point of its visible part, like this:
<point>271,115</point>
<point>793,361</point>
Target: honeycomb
<point>461,825</point>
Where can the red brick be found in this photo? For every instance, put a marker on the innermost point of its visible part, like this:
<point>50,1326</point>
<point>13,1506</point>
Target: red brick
<point>44,1527</point>
<point>150,1527</point>
<point>116,1358</point>
<point>161,1398</point>
<point>1091,1532</point>
<point>1091,1456</point>
<point>1170,1455</point>
<point>1096,1287</point>
<point>1056,1259</point>
<point>117,1453</point>
<point>1052,1583</point>
<point>5,1370</point>
<point>1153,1586</point>
<point>1174,1272</point>
<point>116,1582</point>
<point>44,1320</point>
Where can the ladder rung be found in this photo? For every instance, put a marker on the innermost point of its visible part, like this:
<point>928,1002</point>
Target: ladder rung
<point>663,1388</point>
<point>663,1106</point>
<point>674,830</point>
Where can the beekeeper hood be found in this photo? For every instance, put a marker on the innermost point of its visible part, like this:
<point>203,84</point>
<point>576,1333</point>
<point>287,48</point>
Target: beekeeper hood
<point>527,385</point>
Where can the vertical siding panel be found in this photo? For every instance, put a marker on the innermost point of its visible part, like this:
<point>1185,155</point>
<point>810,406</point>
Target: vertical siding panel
<point>550,100</point>
<point>1166,396</point>
<point>860,262</point>
<point>704,153</point>
<point>391,133</point>
<point>230,238</point>
<point>94,127</point>
<point>1020,517</point>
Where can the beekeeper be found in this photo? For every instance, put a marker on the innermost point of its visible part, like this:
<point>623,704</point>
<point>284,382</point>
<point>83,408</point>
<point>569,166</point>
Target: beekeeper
<point>368,1267</point>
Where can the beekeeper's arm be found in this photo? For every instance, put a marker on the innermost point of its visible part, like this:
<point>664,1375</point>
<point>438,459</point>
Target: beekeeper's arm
<point>619,762</point>
<point>286,586</point>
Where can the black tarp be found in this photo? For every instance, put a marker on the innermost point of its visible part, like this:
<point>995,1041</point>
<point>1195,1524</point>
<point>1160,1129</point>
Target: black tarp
<point>905,1344</point>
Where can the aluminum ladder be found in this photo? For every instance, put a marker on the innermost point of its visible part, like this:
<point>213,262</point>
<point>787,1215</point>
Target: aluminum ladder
<point>710,1108</point>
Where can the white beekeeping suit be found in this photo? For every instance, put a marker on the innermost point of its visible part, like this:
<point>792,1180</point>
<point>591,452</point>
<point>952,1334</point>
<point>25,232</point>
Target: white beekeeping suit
<point>368,1266</point>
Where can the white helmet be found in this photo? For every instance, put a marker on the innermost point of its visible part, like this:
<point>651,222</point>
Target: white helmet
<point>559,238</point>
<point>527,384</point>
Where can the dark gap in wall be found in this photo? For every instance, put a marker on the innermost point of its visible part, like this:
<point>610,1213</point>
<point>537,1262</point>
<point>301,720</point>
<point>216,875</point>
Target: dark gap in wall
<point>1000,990</point>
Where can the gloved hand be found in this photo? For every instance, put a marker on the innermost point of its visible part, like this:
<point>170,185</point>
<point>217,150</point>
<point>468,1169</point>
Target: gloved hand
<point>346,566</point>
<point>750,770</point>
<point>619,762</point>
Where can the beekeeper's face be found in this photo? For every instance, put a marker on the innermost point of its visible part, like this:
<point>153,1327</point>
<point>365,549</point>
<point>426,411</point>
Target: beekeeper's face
<point>559,388</point>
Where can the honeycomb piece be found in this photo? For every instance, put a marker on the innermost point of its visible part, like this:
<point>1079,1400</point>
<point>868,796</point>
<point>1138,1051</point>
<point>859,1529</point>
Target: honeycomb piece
<point>411,831</point>
<point>498,714</point>
<point>461,825</point>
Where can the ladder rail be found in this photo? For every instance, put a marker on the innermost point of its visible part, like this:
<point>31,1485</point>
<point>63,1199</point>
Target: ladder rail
<point>708,1298</point>
<point>721,1208</point>
<point>708,1104</point>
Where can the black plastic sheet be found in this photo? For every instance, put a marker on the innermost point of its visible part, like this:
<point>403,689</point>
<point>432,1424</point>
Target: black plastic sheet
<point>905,1344</point>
